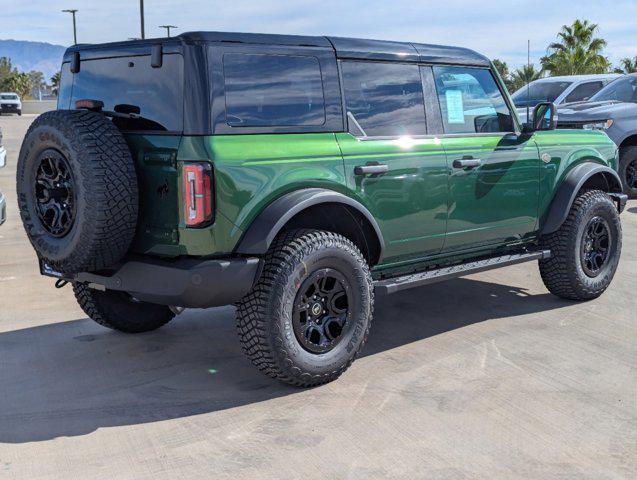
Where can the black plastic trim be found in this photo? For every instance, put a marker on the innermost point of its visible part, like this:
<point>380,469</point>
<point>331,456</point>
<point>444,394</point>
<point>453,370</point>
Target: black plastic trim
<point>190,283</point>
<point>259,236</point>
<point>568,190</point>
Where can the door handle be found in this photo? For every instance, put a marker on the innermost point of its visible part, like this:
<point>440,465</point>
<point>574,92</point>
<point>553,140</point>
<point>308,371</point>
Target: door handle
<point>467,162</point>
<point>370,169</point>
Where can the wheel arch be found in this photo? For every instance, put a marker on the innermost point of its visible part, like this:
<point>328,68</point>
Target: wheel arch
<point>588,175</point>
<point>314,208</point>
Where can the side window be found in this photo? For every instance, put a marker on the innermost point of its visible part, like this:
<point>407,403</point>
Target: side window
<point>273,90</point>
<point>470,101</point>
<point>584,92</point>
<point>385,99</point>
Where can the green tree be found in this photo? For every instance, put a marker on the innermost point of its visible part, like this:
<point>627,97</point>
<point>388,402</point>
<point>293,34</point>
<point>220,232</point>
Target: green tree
<point>524,75</point>
<point>37,82</point>
<point>17,82</point>
<point>5,67</point>
<point>577,52</point>
<point>55,82</point>
<point>628,65</point>
<point>503,70</point>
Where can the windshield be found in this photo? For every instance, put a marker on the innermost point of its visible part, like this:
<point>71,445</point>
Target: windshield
<point>621,90</point>
<point>9,97</point>
<point>539,92</point>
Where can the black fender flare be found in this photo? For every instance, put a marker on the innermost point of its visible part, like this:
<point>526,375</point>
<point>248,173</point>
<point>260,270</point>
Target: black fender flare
<point>265,227</point>
<point>571,185</point>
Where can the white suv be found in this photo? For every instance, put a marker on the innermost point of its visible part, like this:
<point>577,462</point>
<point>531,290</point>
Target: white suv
<point>10,103</point>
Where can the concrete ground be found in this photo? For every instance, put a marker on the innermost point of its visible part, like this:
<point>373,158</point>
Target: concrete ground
<point>484,377</point>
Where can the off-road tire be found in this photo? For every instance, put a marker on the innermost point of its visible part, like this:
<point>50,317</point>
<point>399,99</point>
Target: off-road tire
<point>264,316</point>
<point>105,186</point>
<point>627,160</point>
<point>563,273</point>
<point>118,311</point>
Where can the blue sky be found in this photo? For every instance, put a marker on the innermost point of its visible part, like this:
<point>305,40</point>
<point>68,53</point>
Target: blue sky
<point>498,29</point>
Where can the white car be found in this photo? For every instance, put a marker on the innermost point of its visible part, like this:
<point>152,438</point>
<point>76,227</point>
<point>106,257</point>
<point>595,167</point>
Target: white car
<point>10,103</point>
<point>560,90</point>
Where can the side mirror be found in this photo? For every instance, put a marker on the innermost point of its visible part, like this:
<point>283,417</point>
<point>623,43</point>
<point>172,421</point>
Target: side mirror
<point>544,116</point>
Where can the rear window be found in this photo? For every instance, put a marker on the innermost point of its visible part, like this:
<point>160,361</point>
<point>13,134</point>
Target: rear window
<point>130,84</point>
<point>9,97</point>
<point>273,90</point>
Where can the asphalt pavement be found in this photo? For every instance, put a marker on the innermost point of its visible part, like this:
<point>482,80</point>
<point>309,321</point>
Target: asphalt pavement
<point>487,376</point>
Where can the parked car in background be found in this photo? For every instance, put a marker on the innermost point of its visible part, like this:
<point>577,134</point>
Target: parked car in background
<point>560,90</point>
<point>3,157</point>
<point>10,103</point>
<point>614,111</point>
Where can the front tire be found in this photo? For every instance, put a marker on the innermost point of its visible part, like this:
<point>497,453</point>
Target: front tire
<point>119,311</point>
<point>628,170</point>
<point>585,250</point>
<point>309,314</point>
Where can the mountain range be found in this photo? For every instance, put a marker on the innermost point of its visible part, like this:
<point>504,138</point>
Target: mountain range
<point>39,56</point>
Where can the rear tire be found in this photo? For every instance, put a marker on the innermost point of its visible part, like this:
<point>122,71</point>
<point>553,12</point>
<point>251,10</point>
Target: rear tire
<point>585,250</point>
<point>309,314</point>
<point>628,170</point>
<point>119,311</point>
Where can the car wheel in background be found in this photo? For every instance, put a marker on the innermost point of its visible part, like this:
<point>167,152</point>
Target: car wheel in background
<point>628,170</point>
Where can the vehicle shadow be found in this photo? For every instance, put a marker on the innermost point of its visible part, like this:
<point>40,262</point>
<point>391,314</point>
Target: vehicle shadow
<point>71,378</point>
<point>632,210</point>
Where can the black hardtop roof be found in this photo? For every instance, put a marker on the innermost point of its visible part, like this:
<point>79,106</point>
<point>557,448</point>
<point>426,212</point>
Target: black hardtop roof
<point>352,48</point>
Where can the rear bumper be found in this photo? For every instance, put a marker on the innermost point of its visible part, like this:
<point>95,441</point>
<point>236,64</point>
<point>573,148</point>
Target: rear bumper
<point>189,283</point>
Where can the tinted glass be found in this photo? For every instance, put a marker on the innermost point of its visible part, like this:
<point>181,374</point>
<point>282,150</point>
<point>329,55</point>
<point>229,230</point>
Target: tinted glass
<point>156,93</point>
<point>384,98</point>
<point>539,91</point>
<point>470,101</point>
<point>9,97</point>
<point>621,90</point>
<point>273,90</point>
<point>584,91</point>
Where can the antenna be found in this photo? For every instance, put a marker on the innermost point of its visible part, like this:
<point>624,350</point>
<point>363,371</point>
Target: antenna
<point>528,84</point>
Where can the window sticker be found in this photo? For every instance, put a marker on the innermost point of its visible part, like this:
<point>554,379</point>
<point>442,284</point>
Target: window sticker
<point>455,107</point>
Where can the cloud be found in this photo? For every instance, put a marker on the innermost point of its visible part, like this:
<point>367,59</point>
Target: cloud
<point>496,28</point>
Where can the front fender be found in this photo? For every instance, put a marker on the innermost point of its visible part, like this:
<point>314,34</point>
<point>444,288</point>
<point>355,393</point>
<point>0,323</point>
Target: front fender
<point>569,188</point>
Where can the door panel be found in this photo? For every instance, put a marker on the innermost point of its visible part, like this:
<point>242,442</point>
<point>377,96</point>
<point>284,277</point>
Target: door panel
<point>497,201</point>
<point>409,201</point>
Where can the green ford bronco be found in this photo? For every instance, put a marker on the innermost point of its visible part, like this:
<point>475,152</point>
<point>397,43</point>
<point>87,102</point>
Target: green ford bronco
<point>298,178</point>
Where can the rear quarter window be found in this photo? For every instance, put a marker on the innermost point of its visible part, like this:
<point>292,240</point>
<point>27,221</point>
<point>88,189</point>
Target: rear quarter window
<point>156,92</point>
<point>263,90</point>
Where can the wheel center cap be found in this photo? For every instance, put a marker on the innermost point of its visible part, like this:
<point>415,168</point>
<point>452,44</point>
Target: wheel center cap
<point>317,309</point>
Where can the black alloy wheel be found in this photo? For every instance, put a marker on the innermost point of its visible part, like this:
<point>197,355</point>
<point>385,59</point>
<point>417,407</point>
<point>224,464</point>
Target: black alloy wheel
<point>321,311</point>
<point>55,193</point>
<point>595,246</point>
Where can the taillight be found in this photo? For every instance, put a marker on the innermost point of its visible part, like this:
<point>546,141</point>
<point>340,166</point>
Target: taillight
<point>197,194</point>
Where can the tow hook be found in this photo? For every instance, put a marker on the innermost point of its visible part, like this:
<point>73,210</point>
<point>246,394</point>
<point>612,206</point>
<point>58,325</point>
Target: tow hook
<point>61,283</point>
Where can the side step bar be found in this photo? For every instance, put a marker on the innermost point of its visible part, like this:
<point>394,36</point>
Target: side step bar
<point>393,285</point>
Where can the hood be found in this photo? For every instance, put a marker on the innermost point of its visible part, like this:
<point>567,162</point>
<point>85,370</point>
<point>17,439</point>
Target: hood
<point>596,110</point>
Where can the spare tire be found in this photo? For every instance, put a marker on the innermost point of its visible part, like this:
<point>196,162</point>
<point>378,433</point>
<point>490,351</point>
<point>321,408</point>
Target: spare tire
<point>77,190</point>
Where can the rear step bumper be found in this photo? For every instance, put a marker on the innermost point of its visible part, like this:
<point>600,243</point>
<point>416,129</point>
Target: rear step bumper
<point>393,285</point>
<point>186,283</point>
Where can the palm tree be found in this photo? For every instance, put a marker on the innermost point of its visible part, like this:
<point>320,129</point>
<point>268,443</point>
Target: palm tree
<point>628,65</point>
<point>524,75</point>
<point>578,51</point>
<point>55,83</point>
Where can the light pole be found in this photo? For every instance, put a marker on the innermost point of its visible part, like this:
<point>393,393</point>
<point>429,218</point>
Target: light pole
<point>72,12</point>
<point>141,16</point>
<point>168,27</point>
